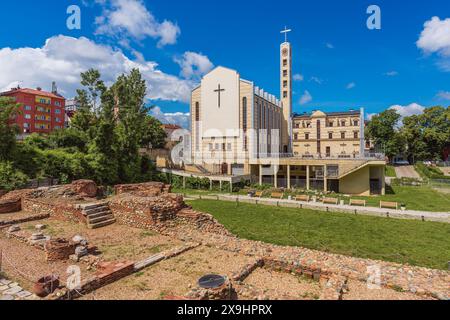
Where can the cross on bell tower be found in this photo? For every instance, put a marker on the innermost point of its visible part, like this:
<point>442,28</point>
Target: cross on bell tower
<point>285,31</point>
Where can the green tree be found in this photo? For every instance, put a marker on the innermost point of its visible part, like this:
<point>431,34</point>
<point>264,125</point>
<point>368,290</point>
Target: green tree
<point>383,130</point>
<point>153,134</point>
<point>8,110</point>
<point>427,134</point>
<point>11,178</point>
<point>129,93</point>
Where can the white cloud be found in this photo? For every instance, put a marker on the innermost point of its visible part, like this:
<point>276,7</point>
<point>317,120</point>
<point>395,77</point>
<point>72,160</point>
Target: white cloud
<point>63,58</point>
<point>444,95</point>
<point>435,38</point>
<point>306,97</point>
<point>351,85</point>
<point>329,45</point>
<point>298,77</point>
<point>179,118</point>
<point>130,18</point>
<point>409,110</point>
<point>403,111</point>
<point>194,65</point>
<point>391,73</point>
<point>316,80</point>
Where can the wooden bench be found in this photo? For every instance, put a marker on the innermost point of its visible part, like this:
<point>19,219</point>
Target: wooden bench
<point>276,195</point>
<point>356,202</point>
<point>258,194</point>
<point>304,198</point>
<point>330,200</point>
<point>389,205</point>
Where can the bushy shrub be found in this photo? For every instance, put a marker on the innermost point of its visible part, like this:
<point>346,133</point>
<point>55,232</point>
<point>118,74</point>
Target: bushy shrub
<point>11,178</point>
<point>430,172</point>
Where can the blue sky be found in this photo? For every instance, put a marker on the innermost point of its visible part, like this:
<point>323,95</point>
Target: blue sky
<point>341,62</point>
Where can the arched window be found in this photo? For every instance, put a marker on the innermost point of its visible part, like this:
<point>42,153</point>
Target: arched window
<point>197,111</point>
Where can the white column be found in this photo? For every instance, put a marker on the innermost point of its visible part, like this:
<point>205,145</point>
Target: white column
<point>325,179</point>
<point>276,176</point>
<point>289,176</point>
<point>307,178</point>
<point>260,175</point>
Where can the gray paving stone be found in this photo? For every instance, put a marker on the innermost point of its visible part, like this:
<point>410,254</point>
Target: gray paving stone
<point>24,294</point>
<point>13,291</point>
<point>5,282</point>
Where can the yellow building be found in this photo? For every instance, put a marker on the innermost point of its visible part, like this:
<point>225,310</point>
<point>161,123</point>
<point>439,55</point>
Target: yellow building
<point>326,135</point>
<point>241,131</point>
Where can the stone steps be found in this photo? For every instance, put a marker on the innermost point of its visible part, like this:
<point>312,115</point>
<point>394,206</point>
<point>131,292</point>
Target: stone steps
<point>102,218</point>
<point>102,224</point>
<point>98,215</point>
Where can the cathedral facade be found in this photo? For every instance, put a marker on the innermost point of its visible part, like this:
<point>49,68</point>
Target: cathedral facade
<point>240,130</point>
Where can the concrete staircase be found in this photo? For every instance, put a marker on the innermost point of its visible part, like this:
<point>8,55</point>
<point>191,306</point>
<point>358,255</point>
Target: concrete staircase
<point>98,215</point>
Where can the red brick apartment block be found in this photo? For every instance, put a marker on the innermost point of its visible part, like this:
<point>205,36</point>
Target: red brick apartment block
<point>41,111</point>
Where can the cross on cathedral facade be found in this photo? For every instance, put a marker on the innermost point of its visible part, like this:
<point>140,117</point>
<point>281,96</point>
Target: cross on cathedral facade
<point>219,90</point>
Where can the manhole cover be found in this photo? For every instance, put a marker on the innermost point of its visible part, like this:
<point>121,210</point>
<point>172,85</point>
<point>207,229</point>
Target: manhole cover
<point>211,281</point>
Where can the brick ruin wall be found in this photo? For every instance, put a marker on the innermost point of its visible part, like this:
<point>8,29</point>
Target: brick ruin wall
<point>145,212</point>
<point>57,210</point>
<point>149,189</point>
<point>12,201</point>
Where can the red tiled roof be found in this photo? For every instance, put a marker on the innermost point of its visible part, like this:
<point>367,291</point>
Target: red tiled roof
<point>35,92</point>
<point>171,126</point>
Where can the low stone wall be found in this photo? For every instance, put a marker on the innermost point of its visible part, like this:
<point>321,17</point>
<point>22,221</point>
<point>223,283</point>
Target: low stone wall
<point>58,210</point>
<point>9,222</point>
<point>145,212</point>
<point>225,292</point>
<point>149,189</point>
<point>108,272</point>
<point>10,206</point>
<point>202,221</point>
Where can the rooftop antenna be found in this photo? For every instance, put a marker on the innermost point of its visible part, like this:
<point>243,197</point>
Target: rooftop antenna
<point>285,31</point>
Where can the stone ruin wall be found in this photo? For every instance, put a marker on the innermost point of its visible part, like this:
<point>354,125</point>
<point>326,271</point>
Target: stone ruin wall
<point>152,206</point>
<point>59,211</point>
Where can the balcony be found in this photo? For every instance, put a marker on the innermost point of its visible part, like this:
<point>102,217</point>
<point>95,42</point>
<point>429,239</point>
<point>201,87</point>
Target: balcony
<point>327,156</point>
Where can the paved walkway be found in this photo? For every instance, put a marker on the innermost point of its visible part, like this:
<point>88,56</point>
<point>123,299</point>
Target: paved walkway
<point>406,172</point>
<point>12,291</point>
<point>371,211</point>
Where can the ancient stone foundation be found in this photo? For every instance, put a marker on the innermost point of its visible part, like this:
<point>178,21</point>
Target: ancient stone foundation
<point>145,212</point>
<point>10,206</point>
<point>59,249</point>
<point>150,189</point>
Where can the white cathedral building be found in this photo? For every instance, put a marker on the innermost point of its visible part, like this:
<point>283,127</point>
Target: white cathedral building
<point>240,130</point>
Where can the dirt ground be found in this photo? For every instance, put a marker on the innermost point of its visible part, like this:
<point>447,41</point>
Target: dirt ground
<point>115,242</point>
<point>174,277</point>
<point>359,291</point>
<point>25,264</point>
<point>276,285</point>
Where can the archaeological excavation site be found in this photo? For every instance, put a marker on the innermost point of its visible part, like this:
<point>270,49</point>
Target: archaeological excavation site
<point>142,242</point>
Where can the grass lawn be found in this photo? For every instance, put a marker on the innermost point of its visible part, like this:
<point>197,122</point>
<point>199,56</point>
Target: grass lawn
<point>416,198</point>
<point>404,241</point>
<point>390,172</point>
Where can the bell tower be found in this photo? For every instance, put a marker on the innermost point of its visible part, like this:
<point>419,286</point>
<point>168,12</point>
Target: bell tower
<point>286,92</point>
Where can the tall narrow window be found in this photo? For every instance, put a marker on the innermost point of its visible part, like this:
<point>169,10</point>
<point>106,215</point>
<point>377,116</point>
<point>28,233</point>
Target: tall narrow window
<point>244,113</point>
<point>197,111</point>
<point>197,126</point>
